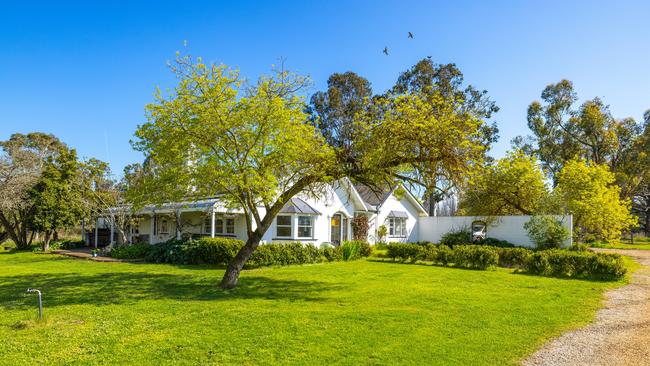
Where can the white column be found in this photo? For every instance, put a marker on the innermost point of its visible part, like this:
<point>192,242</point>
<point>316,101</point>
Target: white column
<point>176,223</point>
<point>212,229</point>
<point>96,231</point>
<point>112,229</point>
<point>152,227</point>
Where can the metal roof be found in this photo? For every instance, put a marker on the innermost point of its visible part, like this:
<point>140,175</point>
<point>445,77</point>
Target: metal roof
<point>298,206</point>
<point>398,214</point>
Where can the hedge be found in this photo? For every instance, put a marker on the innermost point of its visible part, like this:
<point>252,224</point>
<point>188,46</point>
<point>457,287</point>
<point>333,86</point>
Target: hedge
<point>555,262</point>
<point>220,251</point>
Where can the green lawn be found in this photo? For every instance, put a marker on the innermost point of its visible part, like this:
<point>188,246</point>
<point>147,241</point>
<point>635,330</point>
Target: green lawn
<point>642,243</point>
<point>352,313</point>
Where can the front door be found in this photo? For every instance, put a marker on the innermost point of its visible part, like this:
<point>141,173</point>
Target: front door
<point>336,229</point>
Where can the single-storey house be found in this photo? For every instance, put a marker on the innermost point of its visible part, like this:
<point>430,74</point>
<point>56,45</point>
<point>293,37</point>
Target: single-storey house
<point>305,218</point>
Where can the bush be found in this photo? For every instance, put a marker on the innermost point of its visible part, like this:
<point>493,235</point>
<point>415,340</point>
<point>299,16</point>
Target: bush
<point>355,249</point>
<point>131,251</point>
<point>565,263</point>
<point>67,244</point>
<point>171,251</point>
<point>513,257</point>
<point>282,254</point>
<point>360,227</point>
<point>475,256</point>
<point>404,252</point>
<point>332,254</point>
<point>546,232</point>
<point>492,242</point>
<point>219,251</point>
<point>458,237</point>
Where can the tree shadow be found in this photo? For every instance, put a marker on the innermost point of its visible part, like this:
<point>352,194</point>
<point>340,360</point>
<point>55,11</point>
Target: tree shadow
<point>130,287</point>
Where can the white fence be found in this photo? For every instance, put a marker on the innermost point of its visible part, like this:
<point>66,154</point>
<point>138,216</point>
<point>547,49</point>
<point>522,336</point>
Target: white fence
<point>510,228</point>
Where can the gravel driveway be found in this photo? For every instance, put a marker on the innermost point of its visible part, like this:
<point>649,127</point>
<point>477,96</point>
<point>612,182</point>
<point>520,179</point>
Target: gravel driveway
<point>620,334</point>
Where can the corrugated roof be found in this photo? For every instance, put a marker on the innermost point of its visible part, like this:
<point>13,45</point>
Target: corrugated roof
<point>398,214</point>
<point>298,206</point>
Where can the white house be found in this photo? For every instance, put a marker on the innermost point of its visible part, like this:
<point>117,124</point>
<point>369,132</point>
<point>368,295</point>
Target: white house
<point>305,218</point>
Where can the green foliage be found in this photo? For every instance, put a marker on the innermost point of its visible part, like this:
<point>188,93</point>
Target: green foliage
<point>513,186</point>
<point>546,232</point>
<point>566,263</point>
<point>382,232</point>
<point>355,249</point>
<point>590,195</point>
<point>456,237</point>
<point>554,262</point>
<point>67,244</point>
<point>131,251</point>
<point>513,257</point>
<point>220,251</point>
<point>475,256</point>
<point>493,242</point>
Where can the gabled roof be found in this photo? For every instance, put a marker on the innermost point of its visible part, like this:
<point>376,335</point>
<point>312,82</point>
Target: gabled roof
<point>297,206</point>
<point>372,196</point>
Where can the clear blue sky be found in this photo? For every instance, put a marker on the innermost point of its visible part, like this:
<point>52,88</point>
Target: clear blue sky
<point>84,72</point>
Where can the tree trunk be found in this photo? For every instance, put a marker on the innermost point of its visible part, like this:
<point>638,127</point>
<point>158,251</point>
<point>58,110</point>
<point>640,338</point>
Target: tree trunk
<point>235,266</point>
<point>46,241</point>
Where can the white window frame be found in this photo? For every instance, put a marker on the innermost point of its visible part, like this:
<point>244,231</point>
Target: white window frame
<point>290,226</point>
<point>397,227</point>
<point>310,226</point>
<point>222,225</point>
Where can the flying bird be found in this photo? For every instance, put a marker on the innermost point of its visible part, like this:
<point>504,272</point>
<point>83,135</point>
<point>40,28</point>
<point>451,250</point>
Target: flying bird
<point>410,35</point>
<point>386,51</point>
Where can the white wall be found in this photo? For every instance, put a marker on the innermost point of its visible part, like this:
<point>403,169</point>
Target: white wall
<point>510,228</point>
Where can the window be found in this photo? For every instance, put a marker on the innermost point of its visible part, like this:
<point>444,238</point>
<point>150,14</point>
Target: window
<point>219,227</point>
<point>230,226</point>
<point>305,226</point>
<point>207,224</point>
<point>397,226</point>
<point>164,226</point>
<point>283,226</point>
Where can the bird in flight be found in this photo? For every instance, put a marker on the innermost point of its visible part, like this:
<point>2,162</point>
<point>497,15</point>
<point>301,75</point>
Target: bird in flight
<point>410,35</point>
<point>386,51</point>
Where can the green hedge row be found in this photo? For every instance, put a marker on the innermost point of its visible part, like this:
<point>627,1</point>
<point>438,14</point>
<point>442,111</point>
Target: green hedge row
<point>221,251</point>
<point>555,262</point>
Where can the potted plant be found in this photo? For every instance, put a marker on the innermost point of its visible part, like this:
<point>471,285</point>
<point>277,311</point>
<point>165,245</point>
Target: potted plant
<point>95,252</point>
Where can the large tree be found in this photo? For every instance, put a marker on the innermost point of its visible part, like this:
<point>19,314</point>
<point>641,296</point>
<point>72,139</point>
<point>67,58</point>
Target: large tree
<point>255,147</point>
<point>432,82</point>
<point>57,196</point>
<point>22,161</point>
<point>587,191</point>
<point>514,185</point>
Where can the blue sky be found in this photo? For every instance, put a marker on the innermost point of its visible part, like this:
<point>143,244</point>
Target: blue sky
<point>84,71</point>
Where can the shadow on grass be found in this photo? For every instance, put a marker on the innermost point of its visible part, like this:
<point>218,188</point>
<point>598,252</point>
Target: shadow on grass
<point>130,287</point>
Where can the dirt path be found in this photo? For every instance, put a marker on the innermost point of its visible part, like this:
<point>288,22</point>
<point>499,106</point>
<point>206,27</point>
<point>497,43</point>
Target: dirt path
<point>620,334</point>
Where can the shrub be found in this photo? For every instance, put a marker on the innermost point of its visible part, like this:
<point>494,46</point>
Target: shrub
<point>218,251</point>
<point>131,251</point>
<point>492,242</point>
<point>458,237</point>
<point>546,232</point>
<point>360,227</point>
<point>513,257</point>
<point>403,252</point>
<point>171,251</point>
<point>332,254</point>
<point>355,249</point>
<point>565,263</point>
<point>475,256</point>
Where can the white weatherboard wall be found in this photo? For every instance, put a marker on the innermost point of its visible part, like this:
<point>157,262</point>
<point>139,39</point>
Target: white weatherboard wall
<point>510,228</point>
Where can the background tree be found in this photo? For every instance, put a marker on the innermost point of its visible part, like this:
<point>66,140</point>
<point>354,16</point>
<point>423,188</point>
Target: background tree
<point>514,185</point>
<point>563,131</point>
<point>254,146</point>
<point>56,197</point>
<point>21,164</point>
<point>589,193</point>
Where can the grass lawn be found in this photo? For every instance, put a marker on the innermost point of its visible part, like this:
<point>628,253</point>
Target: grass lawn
<point>642,243</point>
<point>352,313</point>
